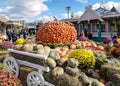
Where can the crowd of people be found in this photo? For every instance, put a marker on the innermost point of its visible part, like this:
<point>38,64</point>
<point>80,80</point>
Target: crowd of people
<point>13,35</point>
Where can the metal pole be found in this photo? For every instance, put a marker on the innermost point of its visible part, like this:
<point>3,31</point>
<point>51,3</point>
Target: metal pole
<point>68,9</point>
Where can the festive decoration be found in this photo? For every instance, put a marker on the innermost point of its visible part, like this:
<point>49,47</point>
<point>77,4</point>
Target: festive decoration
<point>56,32</point>
<point>85,57</point>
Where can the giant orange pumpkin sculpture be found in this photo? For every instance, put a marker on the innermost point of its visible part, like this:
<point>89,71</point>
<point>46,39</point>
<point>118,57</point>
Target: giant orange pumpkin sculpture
<point>56,32</point>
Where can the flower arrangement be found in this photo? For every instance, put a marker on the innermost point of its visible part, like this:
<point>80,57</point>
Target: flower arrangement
<point>85,57</point>
<point>5,45</point>
<point>107,40</point>
<point>7,78</point>
<point>82,38</point>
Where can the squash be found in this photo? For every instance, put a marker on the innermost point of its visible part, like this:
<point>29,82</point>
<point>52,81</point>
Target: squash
<point>57,71</point>
<point>18,47</point>
<point>41,51</point>
<point>54,55</point>
<point>28,47</point>
<point>46,50</point>
<point>72,62</point>
<point>51,62</point>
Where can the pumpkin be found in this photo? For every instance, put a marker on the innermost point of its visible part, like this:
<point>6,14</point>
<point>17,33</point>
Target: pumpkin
<point>88,44</point>
<point>94,44</point>
<point>99,47</point>
<point>83,44</point>
<point>56,32</point>
<point>62,54</point>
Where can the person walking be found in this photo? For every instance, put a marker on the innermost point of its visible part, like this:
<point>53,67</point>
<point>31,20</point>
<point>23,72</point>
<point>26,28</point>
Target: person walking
<point>14,36</point>
<point>25,34</point>
<point>9,34</point>
<point>89,35</point>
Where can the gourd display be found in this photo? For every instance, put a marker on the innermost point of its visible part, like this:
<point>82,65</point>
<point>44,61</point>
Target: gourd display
<point>85,57</point>
<point>7,78</point>
<point>56,32</point>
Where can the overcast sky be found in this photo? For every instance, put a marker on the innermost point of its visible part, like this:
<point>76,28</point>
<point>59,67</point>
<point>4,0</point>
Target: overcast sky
<point>33,10</point>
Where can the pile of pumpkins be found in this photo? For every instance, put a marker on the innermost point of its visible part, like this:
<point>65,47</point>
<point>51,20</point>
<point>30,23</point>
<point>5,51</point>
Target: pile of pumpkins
<point>31,46</point>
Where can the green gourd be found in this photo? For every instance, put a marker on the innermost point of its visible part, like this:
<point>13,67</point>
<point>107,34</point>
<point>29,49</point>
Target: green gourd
<point>72,62</point>
<point>51,62</point>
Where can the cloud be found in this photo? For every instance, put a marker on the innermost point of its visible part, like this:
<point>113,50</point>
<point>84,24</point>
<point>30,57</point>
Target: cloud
<point>65,15</point>
<point>78,14</point>
<point>21,9</point>
<point>108,5</point>
<point>83,1</point>
<point>45,18</point>
<point>0,10</point>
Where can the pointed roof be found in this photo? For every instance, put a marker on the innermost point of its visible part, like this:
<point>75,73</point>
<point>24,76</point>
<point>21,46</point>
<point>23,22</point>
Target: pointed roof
<point>89,14</point>
<point>113,9</point>
<point>102,10</point>
<point>112,13</point>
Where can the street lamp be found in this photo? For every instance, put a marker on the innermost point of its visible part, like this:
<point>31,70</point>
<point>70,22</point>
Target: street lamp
<point>68,9</point>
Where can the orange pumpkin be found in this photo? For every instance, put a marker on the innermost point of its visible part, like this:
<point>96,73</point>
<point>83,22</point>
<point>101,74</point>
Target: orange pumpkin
<point>94,44</point>
<point>62,54</point>
<point>89,44</point>
<point>99,47</point>
<point>83,44</point>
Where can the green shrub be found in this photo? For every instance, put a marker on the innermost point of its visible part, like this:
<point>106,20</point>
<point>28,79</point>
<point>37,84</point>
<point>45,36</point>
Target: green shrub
<point>85,57</point>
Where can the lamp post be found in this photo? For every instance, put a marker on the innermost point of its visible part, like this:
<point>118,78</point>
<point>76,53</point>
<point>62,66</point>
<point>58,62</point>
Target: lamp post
<point>68,9</point>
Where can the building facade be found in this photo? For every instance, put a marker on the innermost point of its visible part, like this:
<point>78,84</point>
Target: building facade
<point>102,22</point>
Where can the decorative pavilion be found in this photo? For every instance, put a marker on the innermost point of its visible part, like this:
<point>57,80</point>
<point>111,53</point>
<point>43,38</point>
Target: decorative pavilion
<point>102,22</point>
